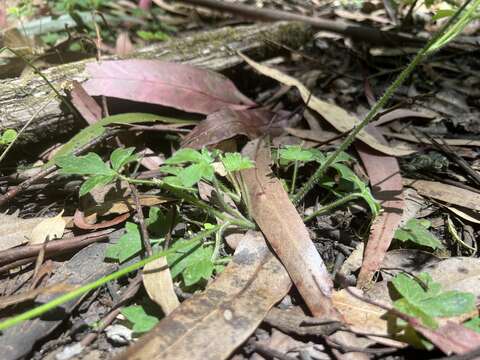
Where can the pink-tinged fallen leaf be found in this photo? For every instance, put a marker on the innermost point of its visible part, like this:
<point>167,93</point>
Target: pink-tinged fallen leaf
<point>123,45</point>
<point>451,338</point>
<point>180,86</point>
<point>386,183</point>
<point>80,221</point>
<point>85,104</point>
<point>144,4</point>
<point>212,324</point>
<point>149,159</point>
<point>401,113</point>
<point>227,123</point>
<point>284,229</point>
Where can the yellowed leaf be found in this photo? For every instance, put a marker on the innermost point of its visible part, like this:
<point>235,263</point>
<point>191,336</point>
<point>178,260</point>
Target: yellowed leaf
<point>159,286</point>
<point>50,228</point>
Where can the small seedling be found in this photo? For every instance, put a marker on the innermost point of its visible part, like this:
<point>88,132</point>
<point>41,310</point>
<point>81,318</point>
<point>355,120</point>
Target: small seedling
<point>426,301</point>
<point>416,231</point>
<point>140,320</point>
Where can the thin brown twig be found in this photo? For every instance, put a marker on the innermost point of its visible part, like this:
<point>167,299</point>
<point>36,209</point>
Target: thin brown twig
<point>141,221</point>
<point>23,252</point>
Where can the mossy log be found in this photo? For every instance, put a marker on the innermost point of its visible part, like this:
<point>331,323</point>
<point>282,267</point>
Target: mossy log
<point>27,96</point>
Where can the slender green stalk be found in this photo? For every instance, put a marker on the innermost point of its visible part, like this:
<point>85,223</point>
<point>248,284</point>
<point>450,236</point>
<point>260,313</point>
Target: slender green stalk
<point>27,124</point>
<point>294,177</point>
<point>226,207</point>
<point>42,309</point>
<point>441,38</point>
<point>332,205</point>
<point>241,222</point>
<point>39,73</point>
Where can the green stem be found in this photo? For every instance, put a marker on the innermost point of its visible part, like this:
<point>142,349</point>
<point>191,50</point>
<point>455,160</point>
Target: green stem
<point>218,241</point>
<point>294,177</point>
<point>42,309</point>
<point>226,207</point>
<point>431,46</point>
<point>181,194</point>
<point>332,205</point>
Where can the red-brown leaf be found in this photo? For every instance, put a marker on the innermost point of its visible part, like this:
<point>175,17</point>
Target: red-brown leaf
<point>386,181</point>
<point>227,123</point>
<point>179,86</point>
<point>285,231</point>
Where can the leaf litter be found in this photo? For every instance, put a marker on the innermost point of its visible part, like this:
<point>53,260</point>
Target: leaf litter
<point>202,300</point>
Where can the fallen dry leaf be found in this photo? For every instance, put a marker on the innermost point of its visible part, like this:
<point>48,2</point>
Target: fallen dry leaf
<point>180,86</point>
<point>212,324</point>
<point>48,229</point>
<point>447,193</point>
<point>284,229</point>
<point>227,123</point>
<point>386,182</point>
<point>157,281</point>
<point>85,104</point>
<point>335,115</point>
<point>15,231</point>
<point>80,221</point>
<point>364,317</point>
<point>123,44</point>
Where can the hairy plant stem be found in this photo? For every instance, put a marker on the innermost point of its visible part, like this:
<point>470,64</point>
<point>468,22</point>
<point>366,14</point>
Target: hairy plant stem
<point>218,241</point>
<point>435,43</point>
<point>42,309</point>
<point>332,205</point>
<point>229,209</point>
<point>189,198</point>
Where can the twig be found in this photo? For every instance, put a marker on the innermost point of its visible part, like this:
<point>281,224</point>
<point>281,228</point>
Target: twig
<point>357,32</point>
<point>141,221</point>
<point>19,253</point>
<point>270,353</point>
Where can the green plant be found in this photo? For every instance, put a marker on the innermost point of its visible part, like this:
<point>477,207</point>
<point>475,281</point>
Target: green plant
<point>344,184</point>
<point>423,298</point>
<point>7,137</point>
<point>416,231</point>
<point>137,316</point>
<point>455,25</point>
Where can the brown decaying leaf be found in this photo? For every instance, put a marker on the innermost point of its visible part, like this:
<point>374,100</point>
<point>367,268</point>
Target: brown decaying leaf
<point>123,45</point>
<point>212,324</point>
<point>80,221</point>
<point>447,193</point>
<point>335,115</point>
<point>386,183</point>
<point>50,228</point>
<point>227,123</point>
<point>157,281</point>
<point>85,104</point>
<point>15,231</point>
<point>363,317</point>
<point>401,113</point>
<point>179,86</point>
<point>285,231</point>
